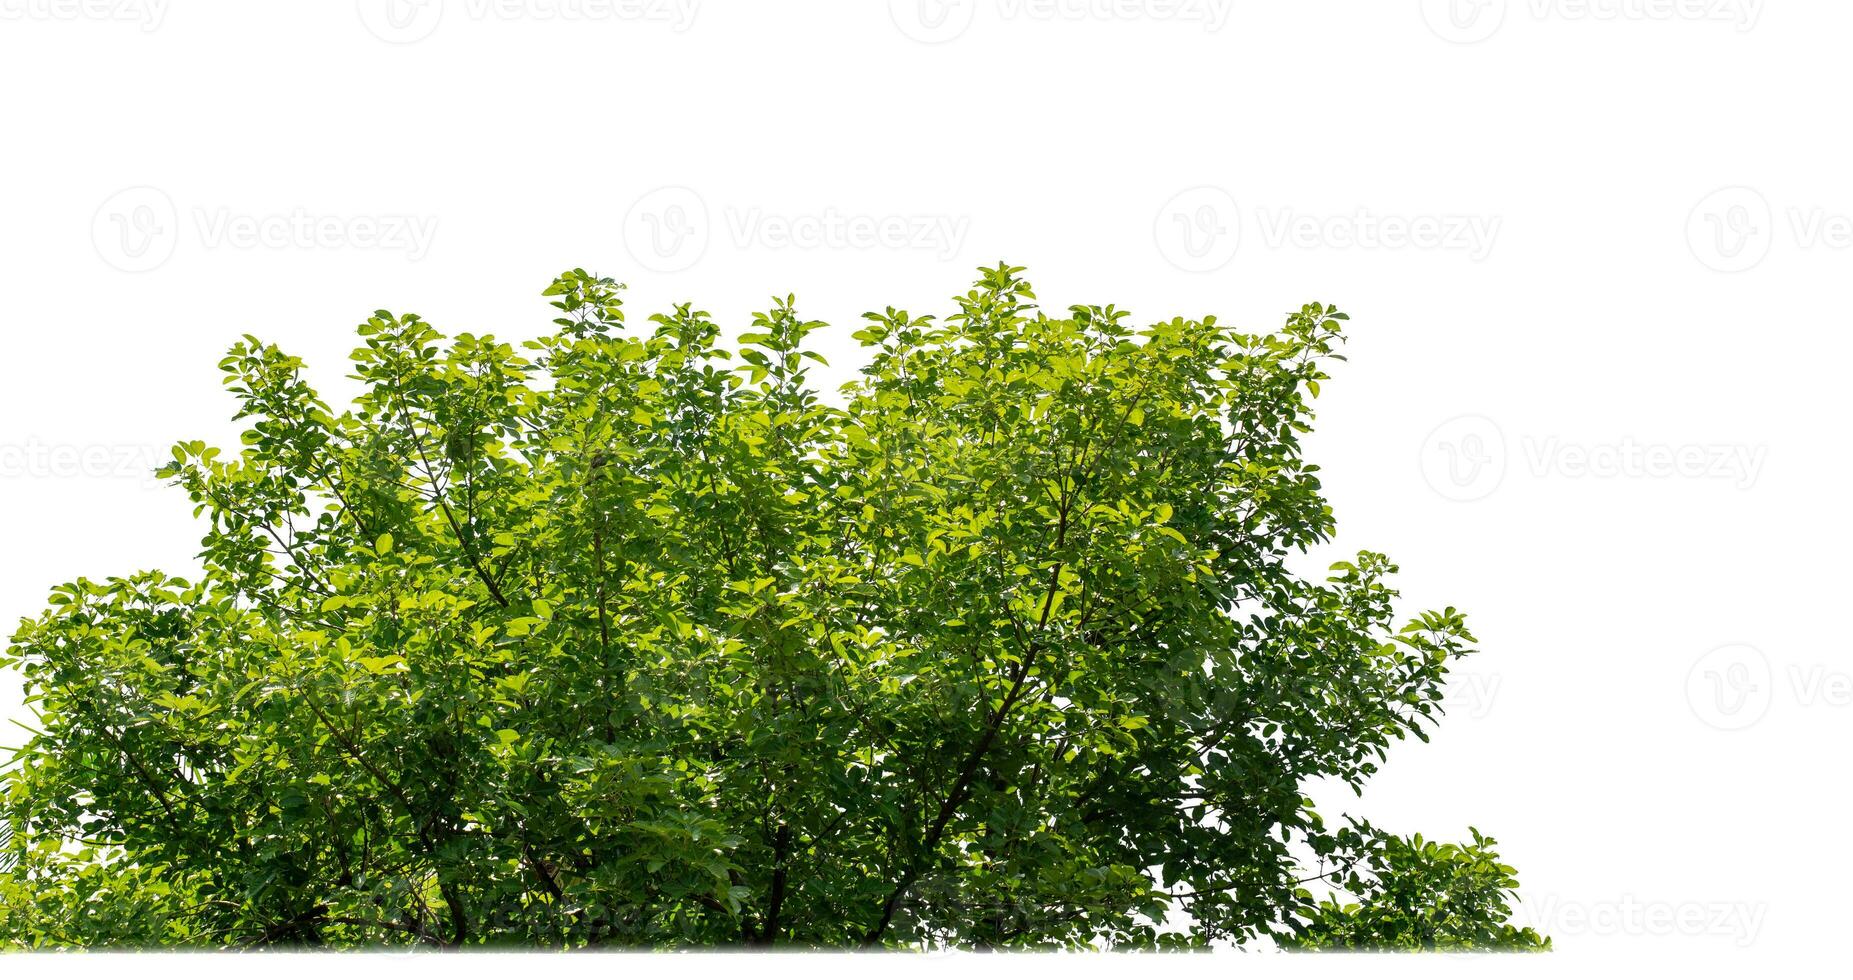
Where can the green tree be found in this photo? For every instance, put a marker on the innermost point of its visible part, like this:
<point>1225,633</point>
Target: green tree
<point>631,638</point>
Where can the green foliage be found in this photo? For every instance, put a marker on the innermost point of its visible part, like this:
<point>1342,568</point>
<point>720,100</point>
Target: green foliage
<point>630,638</point>
<point>1412,894</point>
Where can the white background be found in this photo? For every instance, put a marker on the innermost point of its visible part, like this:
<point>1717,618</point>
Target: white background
<point>1594,253</point>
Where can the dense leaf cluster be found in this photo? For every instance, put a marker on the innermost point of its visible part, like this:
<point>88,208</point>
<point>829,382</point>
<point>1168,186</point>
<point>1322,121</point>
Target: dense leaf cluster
<point>632,638</point>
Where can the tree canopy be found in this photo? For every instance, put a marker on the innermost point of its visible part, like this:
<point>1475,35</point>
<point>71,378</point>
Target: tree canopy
<point>630,637</point>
